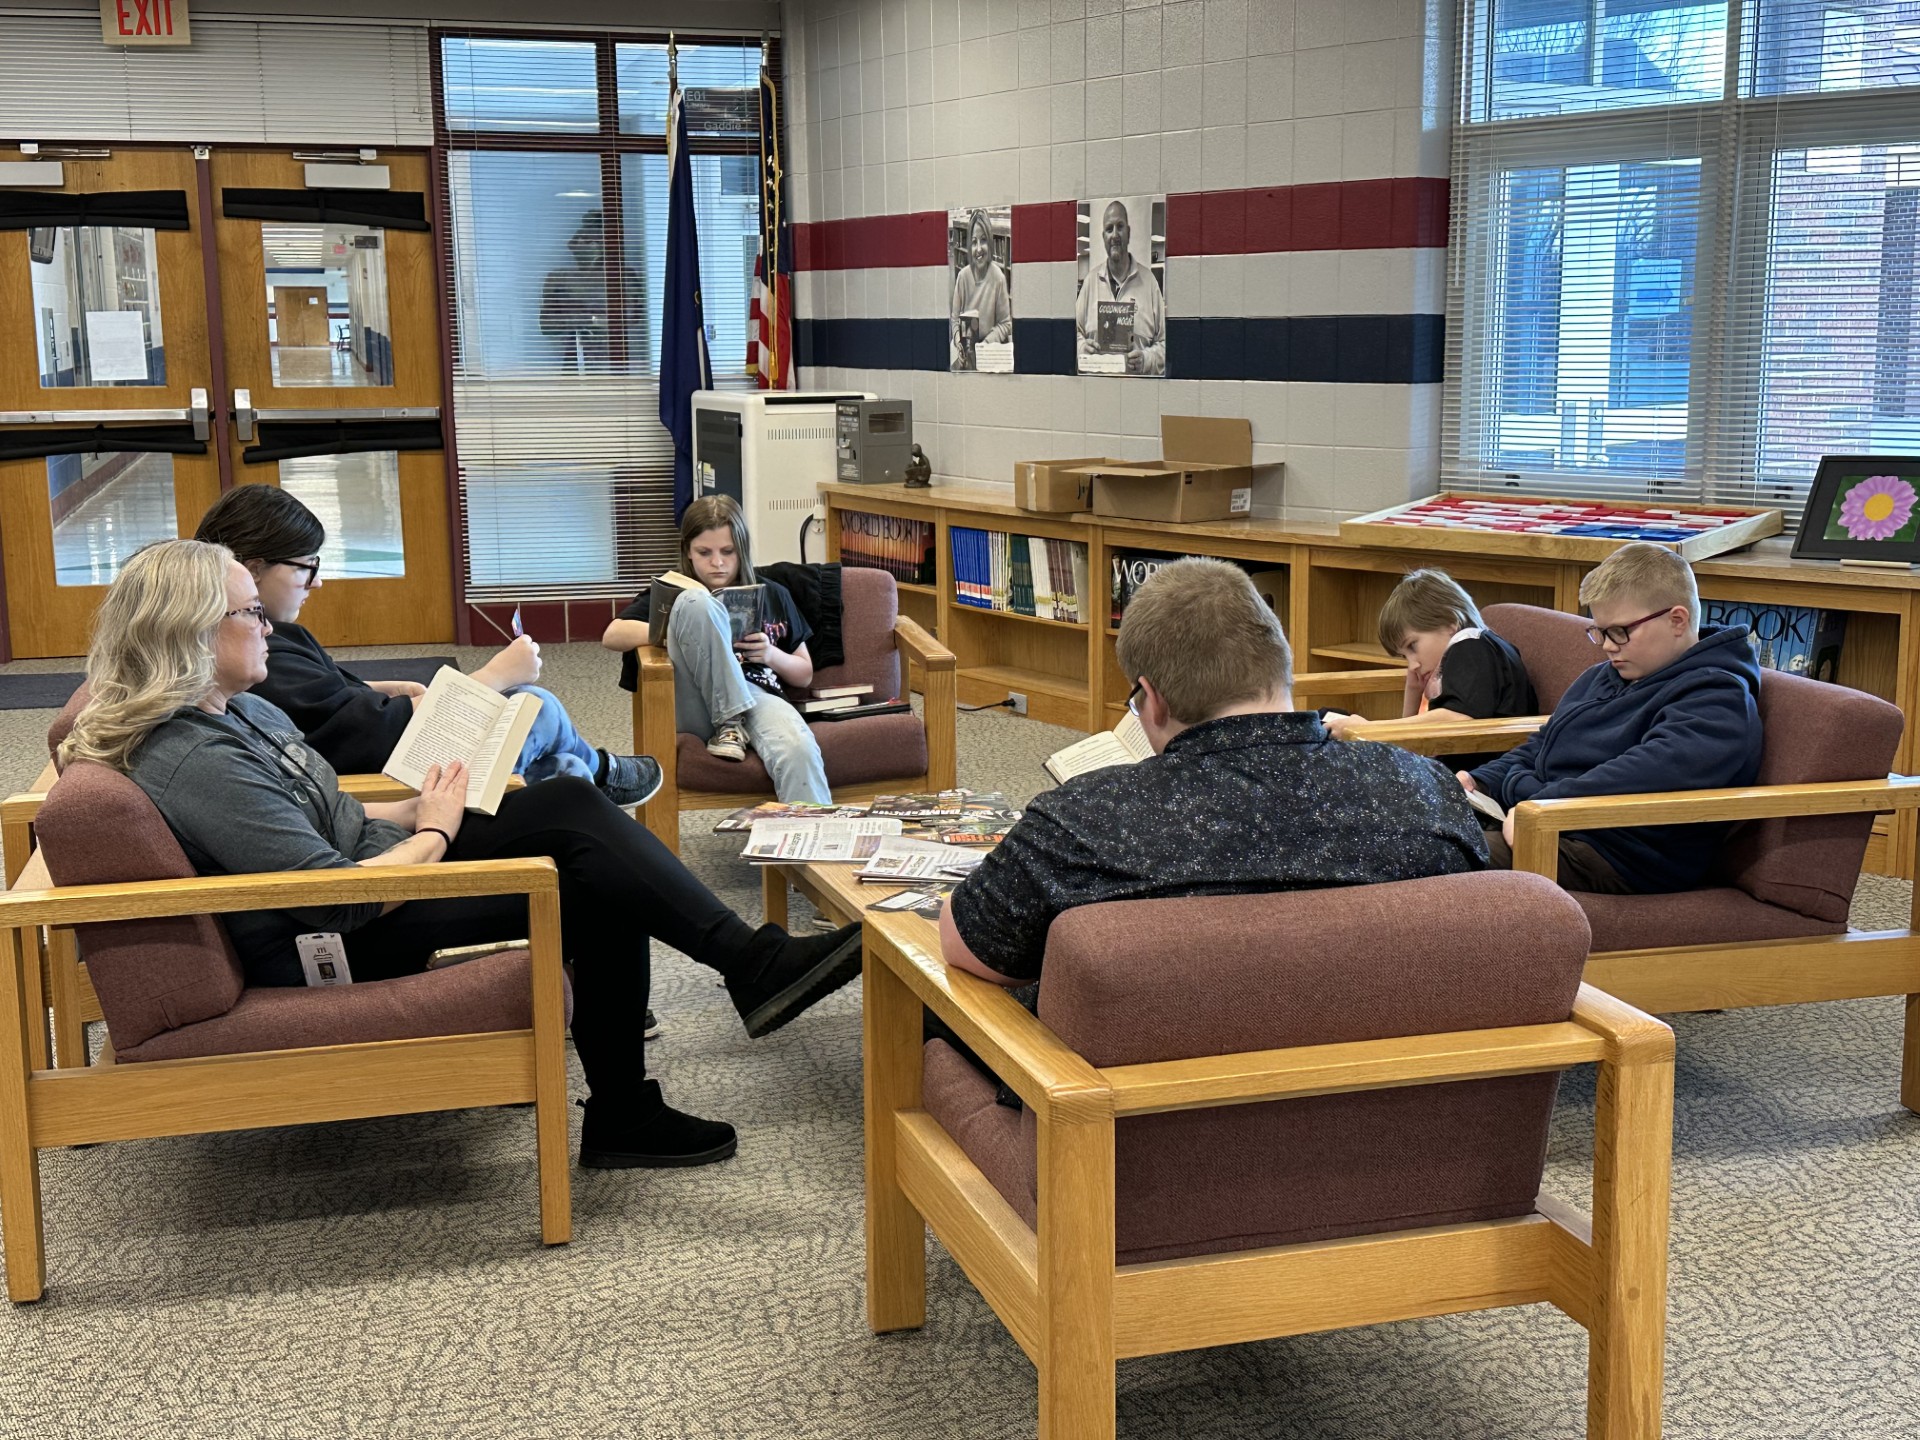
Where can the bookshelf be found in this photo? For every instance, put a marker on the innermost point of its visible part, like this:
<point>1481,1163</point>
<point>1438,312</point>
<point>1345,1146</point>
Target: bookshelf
<point>1328,592</point>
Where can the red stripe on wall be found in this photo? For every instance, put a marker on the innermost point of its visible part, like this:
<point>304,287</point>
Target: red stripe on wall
<point>1406,213</point>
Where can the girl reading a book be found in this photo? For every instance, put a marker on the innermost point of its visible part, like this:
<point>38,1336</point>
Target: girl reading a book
<point>1457,669</point>
<point>727,683</point>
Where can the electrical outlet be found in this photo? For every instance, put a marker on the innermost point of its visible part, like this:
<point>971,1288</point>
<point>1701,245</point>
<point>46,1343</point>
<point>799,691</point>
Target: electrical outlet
<point>1016,702</point>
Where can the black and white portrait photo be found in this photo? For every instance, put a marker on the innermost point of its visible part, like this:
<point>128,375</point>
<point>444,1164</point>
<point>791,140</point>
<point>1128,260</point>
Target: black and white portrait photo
<point>980,305</point>
<point>1121,314</point>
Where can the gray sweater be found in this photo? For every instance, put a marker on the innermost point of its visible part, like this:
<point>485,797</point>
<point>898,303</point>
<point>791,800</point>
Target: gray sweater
<point>240,802</point>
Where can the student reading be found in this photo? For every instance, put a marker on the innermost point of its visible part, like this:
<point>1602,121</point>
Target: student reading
<point>355,723</point>
<point>1455,664</point>
<point>727,691</point>
<point>1242,795</point>
<point>1674,706</point>
<point>179,640</point>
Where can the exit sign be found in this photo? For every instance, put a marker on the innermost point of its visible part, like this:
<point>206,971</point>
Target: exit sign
<point>144,22</point>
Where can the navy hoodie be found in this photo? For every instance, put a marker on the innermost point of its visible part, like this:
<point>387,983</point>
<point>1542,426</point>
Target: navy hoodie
<point>1693,726</point>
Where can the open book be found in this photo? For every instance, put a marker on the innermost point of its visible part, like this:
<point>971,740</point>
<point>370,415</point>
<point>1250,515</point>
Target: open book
<point>668,586</point>
<point>1125,744</point>
<point>461,719</point>
<point>1485,804</point>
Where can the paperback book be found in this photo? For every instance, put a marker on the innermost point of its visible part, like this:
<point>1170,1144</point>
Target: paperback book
<point>461,719</point>
<point>1125,744</point>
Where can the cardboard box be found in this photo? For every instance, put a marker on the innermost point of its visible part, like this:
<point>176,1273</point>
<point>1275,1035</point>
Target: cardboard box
<point>1205,473</point>
<point>1051,484</point>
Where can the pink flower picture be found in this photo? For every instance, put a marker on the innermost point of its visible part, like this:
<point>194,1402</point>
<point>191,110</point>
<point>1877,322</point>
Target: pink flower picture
<point>1877,508</point>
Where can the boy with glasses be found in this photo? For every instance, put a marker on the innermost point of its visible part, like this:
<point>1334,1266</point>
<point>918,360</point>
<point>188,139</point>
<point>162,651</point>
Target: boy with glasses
<point>1673,706</point>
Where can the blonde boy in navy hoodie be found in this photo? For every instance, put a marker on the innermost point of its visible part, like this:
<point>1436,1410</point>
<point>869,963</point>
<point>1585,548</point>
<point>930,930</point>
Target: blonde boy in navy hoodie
<point>1673,707</point>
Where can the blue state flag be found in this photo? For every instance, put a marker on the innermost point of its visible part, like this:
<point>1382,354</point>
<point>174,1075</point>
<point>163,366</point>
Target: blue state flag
<point>684,366</point>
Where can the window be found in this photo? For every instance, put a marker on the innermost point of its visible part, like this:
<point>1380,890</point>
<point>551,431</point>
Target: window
<point>556,189</point>
<point>1660,289</point>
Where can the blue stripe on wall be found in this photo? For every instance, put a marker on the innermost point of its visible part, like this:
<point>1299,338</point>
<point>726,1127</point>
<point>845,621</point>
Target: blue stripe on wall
<point>1336,349</point>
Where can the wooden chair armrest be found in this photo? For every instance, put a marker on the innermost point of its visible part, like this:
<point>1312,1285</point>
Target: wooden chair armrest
<point>1306,1070</point>
<point>377,789</point>
<point>277,890</point>
<point>921,647</point>
<point>1007,1037</point>
<point>1371,681</point>
<point>1632,1036</point>
<point>1453,737</point>
<point>1749,802</point>
<point>655,666</point>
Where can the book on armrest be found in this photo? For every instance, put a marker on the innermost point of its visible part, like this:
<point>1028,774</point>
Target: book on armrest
<point>1125,744</point>
<point>461,719</point>
<point>668,586</point>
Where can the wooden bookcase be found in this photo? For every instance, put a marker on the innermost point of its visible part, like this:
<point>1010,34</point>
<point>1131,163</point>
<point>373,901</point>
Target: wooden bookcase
<point>1333,592</point>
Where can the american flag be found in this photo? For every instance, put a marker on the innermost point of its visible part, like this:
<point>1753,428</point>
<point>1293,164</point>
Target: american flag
<point>770,313</point>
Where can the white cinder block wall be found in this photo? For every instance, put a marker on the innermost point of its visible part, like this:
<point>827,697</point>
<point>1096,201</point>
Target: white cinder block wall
<point>1275,127</point>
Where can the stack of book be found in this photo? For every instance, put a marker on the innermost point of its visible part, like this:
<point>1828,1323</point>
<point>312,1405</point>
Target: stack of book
<point>1797,639</point>
<point>1022,574</point>
<point>902,548</point>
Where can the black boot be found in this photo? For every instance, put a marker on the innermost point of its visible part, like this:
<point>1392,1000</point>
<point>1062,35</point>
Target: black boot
<point>794,975</point>
<point>649,1134</point>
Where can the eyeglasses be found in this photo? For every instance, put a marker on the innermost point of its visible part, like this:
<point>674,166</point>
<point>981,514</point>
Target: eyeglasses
<point>1620,634</point>
<point>310,567</point>
<point>255,614</point>
<point>1133,695</point>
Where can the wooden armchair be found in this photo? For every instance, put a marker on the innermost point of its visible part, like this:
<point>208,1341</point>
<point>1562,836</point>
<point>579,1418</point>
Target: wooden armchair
<point>1770,925</point>
<point>1260,1116</point>
<point>866,757</point>
<point>193,1050</point>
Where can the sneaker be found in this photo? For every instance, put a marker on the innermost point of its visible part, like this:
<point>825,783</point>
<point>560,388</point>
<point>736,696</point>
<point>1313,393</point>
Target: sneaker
<point>650,1134</point>
<point>729,742</point>
<point>631,779</point>
<point>800,973</point>
<point>651,1029</point>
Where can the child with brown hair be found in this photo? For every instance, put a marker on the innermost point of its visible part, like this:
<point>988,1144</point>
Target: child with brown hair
<point>1460,668</point>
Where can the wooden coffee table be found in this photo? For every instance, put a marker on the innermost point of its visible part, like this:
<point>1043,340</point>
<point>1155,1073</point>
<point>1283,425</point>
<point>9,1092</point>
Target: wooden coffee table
<point>835,890</point>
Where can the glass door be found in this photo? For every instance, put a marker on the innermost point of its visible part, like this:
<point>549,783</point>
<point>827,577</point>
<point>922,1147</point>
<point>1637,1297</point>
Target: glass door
<point>103,331</point>
<point>332,346</point>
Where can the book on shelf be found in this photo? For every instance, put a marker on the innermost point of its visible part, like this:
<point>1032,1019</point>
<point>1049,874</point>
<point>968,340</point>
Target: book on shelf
<point>743,820</point>
<point>899,861</point>
<point>822,842</point>
<point>1797,639</point>
<point>902,547</point>
<point>461,719</point>
<point>668,586</point>
<point>1019,574</point>
<point>1125,744</point>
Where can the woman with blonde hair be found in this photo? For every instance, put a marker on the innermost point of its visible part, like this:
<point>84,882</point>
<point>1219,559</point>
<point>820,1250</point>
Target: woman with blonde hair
<point>181,638</point>
<point>981,308</point>
<point>730,688</point>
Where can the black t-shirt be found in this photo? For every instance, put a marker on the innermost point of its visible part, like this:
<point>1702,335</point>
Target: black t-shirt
<point>1481,675</point>
<point>786,628</point>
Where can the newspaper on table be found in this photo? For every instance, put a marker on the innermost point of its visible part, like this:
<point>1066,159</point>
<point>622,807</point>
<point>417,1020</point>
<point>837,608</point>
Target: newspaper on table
<point>900,861</point>
<point>819,841</point>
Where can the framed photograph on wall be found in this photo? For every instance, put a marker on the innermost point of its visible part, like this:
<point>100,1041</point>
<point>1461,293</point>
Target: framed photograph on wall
<point>1862,507</point>
<point>1120,314</point>
<point>980,289</point>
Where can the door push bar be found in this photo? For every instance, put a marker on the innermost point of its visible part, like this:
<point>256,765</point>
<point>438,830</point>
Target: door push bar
<point>245,417</point>
<point>195,412</point>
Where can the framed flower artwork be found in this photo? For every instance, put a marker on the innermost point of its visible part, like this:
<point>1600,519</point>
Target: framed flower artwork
<point>1862,507</point>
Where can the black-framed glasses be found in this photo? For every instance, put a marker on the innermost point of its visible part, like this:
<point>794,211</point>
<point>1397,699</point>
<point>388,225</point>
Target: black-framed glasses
<point>1620,634</point>
<point>1133,695</point>
<point>257,614</point>
<point>310,568</point>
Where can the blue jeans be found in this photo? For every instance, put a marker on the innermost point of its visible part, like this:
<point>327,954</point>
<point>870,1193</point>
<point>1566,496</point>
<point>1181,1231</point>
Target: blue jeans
<point>553,746</point>
<point>709,689</point>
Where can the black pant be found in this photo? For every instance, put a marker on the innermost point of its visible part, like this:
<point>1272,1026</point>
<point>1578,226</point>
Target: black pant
<point>619,889</point>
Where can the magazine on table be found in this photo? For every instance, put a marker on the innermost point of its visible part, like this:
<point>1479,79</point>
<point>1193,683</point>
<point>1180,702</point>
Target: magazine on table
<point>925,805</point>
<point>901,860</point>
<point>923,900</point>
<point>741,821</point>
<point>818,841</point>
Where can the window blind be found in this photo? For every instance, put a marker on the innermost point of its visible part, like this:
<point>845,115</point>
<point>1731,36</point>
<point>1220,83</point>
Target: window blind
<point>255,81</point>
<point>556,181</point>
<point>1684,250</point>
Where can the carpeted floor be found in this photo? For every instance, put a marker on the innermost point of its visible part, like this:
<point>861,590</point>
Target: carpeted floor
<point>384,1278</point>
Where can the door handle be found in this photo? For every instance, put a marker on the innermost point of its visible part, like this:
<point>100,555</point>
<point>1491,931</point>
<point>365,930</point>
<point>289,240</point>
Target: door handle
<point>90,417</point>
<point>392,412</point>
<point>197,412</point>
<point>243,414</point>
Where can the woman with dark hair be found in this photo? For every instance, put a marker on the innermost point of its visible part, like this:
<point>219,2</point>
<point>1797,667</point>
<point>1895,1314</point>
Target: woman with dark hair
<point>356,723</point>
<point>179,640</point>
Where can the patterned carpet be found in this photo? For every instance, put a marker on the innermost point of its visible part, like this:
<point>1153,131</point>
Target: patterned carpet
<point>384,1278</point>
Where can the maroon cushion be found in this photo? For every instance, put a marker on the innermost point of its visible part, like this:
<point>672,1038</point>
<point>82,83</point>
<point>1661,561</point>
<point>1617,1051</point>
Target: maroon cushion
<point>869,606</point>
<point>1812,733</point>
<point>855,752</point>
<point>1722,915</point>
<point>1553,645</point>
<point>1164,979</point>
<point>493,992</point>
<point>97,827</point>
<point>63,722</point>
